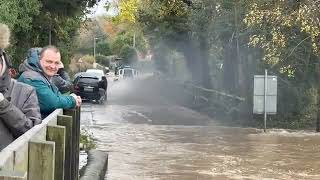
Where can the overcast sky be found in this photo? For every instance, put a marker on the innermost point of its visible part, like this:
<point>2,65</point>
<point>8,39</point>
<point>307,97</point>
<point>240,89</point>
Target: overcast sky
<point>99,9</point>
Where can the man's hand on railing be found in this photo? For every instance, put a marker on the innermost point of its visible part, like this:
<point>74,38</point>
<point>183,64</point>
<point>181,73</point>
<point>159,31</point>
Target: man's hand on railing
<point>79,101</point>
<point>77,98</point>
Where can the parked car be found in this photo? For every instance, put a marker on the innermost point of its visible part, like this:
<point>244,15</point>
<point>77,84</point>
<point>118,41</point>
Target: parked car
<point>77,75</point>
<point>97,72</point>
<point>88,86</point>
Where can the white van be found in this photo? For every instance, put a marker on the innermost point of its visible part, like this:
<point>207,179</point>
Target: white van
<point>127,73</point>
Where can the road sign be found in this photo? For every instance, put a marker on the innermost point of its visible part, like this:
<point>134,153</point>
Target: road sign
<point>259,93</point>
<point>265,95</point>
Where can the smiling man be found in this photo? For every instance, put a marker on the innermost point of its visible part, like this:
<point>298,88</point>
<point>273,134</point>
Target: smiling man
<point>50,61</point>
<point>39,67</point>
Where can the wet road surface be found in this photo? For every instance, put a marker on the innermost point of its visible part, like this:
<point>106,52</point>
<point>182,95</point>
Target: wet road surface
<point>148,136</point>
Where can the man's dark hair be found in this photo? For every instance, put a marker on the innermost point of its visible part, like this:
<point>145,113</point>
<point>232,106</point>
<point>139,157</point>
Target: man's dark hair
<point>51,47</point>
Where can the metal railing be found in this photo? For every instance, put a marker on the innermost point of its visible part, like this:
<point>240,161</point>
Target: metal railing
<point>208,100</point>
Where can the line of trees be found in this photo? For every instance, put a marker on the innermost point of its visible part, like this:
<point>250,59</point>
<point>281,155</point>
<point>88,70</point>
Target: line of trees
<point>36,23</point>
<point>115,38</point>
<point>225,42</point>
<point>221,43</point>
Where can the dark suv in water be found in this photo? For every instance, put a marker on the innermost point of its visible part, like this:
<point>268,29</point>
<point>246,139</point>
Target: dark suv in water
<point>91,87</point>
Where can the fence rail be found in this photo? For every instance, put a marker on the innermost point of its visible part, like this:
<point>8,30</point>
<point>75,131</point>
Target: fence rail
<point>214,102</point>
<point>48,151</point>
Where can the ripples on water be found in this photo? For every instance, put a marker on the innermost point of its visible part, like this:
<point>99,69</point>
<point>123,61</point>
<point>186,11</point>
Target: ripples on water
<point>146,151</point>
<point>159,152</point>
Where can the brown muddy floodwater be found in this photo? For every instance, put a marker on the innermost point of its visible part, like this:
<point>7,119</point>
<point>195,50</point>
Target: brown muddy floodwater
<point>150,138</point>
<point>177,152</point>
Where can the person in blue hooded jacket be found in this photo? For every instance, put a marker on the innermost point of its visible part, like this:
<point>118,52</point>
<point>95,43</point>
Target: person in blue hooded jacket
<point>37,70</point>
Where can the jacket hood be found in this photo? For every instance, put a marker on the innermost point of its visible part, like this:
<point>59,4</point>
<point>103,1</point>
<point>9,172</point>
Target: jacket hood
<point>32,61</point>
<point>5,78</point>
<point>23,67</point>
<point>4,36</point>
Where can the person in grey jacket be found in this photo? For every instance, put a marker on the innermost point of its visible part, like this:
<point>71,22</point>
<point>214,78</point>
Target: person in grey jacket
<point>19,108</point>
<point>62,80</point>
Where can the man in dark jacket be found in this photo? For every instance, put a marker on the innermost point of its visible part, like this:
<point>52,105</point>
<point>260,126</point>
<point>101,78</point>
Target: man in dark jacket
<point>19,109</point>
<point>62,80</point>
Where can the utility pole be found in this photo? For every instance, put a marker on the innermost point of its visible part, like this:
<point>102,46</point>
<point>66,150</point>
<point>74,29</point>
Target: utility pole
<point>94,52</point>
<point>134,40</point>
<point>50,35</point>
<point>317,68</point>
<point>265,99</point>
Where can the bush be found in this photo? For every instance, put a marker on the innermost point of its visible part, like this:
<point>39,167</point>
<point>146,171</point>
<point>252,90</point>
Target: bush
<point>128,54</point>
<point>120,41</point>
<point>297,108</point>
<point>104,60</point>
<point>88,59</point>
<point>103,48</point>
<point>86,140</point>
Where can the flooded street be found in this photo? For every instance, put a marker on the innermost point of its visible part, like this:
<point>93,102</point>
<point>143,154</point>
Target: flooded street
<point>148,137</point>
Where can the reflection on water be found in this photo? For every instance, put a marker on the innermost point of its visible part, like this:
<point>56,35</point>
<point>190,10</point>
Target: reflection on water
<point>141,151</point>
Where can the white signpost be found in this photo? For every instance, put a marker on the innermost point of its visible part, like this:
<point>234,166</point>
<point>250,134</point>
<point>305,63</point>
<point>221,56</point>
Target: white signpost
<point>265,95</point>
